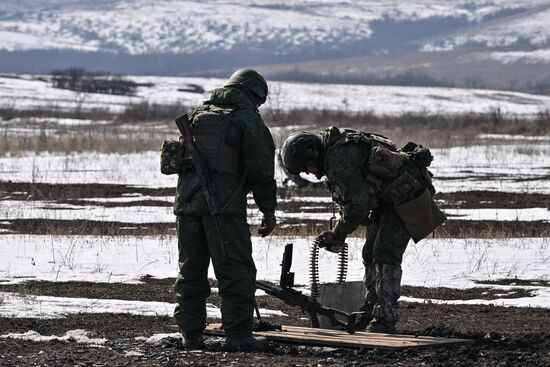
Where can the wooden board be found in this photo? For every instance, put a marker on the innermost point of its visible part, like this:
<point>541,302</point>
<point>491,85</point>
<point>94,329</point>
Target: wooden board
<point>337,338</point>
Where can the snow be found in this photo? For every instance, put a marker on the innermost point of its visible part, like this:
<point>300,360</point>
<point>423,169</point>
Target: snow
<point>46,307</point>
<point>22,92</point>
<point>145,27</point>
<point>137,353</point>
<point>156,339</point>
<point>87,258</point>
<point>78,336</point>
<point>531,214</point>
<point>454,263</point>
<point>512,167</point>
<point>530,27</point>
<point>139,214</point>
<point>513,137</point>
<point>541,56</point>
<point>398,100</point>
<point>15,209</point>
<point>140,169</point>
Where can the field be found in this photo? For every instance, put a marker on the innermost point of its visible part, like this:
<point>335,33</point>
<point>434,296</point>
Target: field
<point>88,245</point>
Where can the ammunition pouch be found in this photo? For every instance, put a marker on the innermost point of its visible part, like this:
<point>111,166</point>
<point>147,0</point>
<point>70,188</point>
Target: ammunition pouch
<point>401,188</point>
<point>414,204</point>
<point>384,162</point>
<point>171,157</point>
<point>420,215</point>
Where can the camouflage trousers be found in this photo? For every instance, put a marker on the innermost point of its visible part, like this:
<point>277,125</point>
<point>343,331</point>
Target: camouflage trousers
<point>198,243</point>
<point>387,239</point>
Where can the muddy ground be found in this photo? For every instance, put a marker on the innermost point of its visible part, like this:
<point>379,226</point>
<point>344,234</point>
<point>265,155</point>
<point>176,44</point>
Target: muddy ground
<point>84,195</point>
<point>503,336</point>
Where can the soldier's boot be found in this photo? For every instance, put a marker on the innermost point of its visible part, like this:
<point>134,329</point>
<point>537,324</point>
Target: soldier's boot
<point>369,280</point>
<point>194,344</point>
<point>247,343</point>
<point>388,289</point>
<point>193,340</point>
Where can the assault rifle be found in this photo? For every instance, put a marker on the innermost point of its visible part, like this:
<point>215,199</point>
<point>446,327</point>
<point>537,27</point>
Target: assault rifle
<point>201,166</point>
<point>308,304</point>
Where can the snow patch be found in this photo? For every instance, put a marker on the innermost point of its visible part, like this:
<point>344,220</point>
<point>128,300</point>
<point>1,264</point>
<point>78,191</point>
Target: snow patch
<point>157,339</point>
<point>78,336</point>
<point>541,56</point>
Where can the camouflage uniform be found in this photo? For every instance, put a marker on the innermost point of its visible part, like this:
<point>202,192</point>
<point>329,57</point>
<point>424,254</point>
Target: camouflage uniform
<point>198,239</point>
<point>360,194</point>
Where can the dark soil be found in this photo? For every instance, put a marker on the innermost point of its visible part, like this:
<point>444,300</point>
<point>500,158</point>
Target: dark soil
<point>504,336</point>
<point>60,192</point>
<point>152,289</point>
<point>463,294</point>
<point>86,227</point>
<point>516,281</point>
<point>73,194</point>
<point>492,199</point>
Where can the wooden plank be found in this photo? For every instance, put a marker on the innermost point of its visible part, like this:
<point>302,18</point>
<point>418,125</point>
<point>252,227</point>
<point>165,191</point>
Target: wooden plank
<point>373,336</point>
<point>337,338</point>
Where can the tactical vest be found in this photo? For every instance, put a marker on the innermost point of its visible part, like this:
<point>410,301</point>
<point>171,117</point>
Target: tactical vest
<point>210,126</point>
<point>400,178</point>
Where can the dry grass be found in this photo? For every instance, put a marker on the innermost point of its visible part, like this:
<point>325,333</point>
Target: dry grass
<point>104,139</point>
<point>451,229</point>
<point>146,111</point>
<point>142,127</point>
<point>437,131</point>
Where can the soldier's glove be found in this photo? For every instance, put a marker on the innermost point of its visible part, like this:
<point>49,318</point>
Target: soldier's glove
<point>268,224</point>
<point>330,241</point>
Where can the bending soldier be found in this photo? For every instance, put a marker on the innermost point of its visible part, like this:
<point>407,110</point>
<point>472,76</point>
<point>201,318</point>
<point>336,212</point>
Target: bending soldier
<point>238,147</point>
<point>377,185</point>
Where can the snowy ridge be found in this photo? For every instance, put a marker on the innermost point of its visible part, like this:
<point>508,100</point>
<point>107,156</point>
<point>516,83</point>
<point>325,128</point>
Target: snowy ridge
<point>531,27</point>
<point>188,27</point>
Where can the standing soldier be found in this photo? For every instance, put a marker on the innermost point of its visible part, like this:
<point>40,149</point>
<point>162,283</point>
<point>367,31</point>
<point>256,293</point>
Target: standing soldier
<point>375,184</point>
<point>238,147</point>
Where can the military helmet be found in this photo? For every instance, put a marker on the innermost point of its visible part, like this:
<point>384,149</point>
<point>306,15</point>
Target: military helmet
<point>299,149</point>
<point>250,79</point>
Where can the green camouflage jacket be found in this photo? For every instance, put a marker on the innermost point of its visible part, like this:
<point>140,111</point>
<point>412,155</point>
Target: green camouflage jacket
<point>344,165</point>
<point>257,153</point>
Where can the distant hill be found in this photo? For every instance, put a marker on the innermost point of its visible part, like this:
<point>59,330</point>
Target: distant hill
<point>295,38</point>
